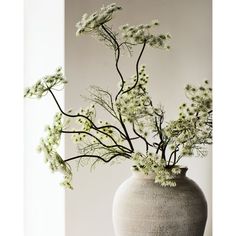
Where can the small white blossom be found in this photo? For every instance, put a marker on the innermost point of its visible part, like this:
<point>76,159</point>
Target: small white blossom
<point>151,163</point>
<point>49,146</point>
<point>41,87</point>
<point>89,23</point>
<point>141,34</point>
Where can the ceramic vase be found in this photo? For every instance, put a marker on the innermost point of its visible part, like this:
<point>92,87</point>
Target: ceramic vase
<point>142,207</point>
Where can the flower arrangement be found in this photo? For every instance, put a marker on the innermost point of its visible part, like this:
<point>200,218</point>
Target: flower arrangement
<point>134,116</point>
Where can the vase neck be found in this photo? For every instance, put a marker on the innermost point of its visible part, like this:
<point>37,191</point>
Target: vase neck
<point>151,175</point>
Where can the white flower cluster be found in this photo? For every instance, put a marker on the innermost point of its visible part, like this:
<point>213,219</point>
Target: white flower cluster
<point>150,163</point>
<point>193,127</point>
<point>49,146</point>
<point>135,104</point>
<point>94,21</point>
<point>41,87</point>
<point>141,34</point>
<point>90,113</point>
<point>84,124</point>
<point>106,131</point>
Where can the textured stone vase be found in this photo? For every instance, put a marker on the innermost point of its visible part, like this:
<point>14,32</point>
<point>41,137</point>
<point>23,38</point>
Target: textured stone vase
<point>144,208</point>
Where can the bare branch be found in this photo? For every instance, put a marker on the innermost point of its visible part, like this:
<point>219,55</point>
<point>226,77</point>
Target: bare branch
<point>98,157</point>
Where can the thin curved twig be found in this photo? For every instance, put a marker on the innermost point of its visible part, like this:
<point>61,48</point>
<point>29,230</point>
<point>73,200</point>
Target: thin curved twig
<point>137,69</point>
<point>98,157</point>
<point>121,147</point>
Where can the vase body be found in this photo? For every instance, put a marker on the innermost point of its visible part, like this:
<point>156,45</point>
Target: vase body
<point>142,207</point>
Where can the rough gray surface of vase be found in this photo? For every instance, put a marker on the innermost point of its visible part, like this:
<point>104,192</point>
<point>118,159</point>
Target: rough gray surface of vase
<point>144,208</point>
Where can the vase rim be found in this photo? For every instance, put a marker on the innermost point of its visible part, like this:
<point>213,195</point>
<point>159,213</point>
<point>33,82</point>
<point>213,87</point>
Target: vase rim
<point>138,174</point>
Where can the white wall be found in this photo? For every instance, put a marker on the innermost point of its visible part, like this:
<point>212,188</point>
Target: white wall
<point>87,62</point>
<point>44,51</point>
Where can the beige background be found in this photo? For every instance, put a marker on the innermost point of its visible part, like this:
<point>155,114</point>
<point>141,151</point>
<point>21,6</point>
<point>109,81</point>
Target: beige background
<point>88,62</point>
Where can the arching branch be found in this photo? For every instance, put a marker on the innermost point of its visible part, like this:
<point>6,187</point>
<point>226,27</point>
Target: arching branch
<point>121,147</point>
<point>99,157</point>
